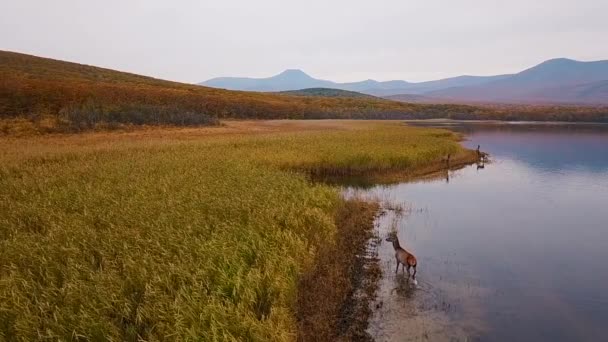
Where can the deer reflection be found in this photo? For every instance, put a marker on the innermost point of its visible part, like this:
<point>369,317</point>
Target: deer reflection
<point>404,286</point>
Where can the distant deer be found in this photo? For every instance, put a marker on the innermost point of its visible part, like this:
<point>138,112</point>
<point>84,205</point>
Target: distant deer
<point>447,159</point>
<point>481,155</point>
<point>403,257</point>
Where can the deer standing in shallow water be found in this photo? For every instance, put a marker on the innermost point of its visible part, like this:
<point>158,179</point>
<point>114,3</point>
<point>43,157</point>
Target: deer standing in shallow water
<point>403,257</point>
<point>481,156</point>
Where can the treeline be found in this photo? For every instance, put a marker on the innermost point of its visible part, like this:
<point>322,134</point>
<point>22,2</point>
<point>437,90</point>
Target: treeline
<point>81,97</point>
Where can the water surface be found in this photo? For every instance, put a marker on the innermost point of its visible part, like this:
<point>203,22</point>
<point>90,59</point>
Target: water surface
<point>515,251</point>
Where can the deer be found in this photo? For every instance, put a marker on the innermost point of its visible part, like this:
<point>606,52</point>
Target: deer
<point>447,159</point>
<point>482,156</point>
<point>405,258</point>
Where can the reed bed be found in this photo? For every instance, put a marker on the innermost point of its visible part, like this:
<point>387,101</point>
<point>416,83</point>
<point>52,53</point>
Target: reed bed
<point>160,237</point>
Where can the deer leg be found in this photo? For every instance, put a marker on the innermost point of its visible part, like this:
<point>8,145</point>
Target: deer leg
<point>397,269</point>
<point>414,276</point>
<point>408,271</point>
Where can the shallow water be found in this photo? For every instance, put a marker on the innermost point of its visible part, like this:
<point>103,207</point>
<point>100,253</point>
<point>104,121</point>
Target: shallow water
<point>515,251</point>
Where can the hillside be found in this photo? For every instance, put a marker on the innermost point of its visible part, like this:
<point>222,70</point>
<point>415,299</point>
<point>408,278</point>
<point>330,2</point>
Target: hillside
<point>327,92</point>
<point>554,81</point>
<point>586,93</point>
<point>81,97</point>
<point>415,98</point>
<point>53,95</point>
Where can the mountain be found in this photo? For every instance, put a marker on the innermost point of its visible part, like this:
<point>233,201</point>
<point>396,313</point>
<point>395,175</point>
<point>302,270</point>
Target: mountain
<point>586,93</point>
<point>327,92</point>
<point>556,81</point>
<point>291,79</point>
<point>294,79</point>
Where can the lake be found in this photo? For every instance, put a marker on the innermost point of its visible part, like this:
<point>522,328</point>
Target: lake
<point>513,251</point>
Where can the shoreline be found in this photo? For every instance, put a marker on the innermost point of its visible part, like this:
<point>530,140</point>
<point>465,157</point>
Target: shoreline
<point>505,122</point>
<point>361,230</point>
<point>386,177</point>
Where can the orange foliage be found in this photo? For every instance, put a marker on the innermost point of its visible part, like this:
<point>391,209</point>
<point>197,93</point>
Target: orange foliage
<point>83,96</point>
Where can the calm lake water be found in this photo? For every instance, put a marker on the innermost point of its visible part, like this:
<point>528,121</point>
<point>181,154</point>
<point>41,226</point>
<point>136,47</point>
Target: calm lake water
<point>516,251</point>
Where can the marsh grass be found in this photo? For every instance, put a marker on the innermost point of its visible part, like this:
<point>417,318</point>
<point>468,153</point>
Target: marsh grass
<point>163,235</point>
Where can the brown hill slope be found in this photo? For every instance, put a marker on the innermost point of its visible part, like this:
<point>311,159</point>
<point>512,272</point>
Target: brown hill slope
<point>81,97</point>
<point>33,86</point>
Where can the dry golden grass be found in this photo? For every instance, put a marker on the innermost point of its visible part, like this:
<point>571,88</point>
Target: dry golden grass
<point>179,234</point>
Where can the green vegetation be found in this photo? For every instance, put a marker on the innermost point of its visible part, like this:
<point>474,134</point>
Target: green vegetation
<point>191,234</point>
<point>43,95</point>
<point>328,92</point>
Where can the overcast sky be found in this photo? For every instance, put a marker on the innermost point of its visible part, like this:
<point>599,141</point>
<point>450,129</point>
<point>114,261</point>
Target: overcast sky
<point>341,40</point>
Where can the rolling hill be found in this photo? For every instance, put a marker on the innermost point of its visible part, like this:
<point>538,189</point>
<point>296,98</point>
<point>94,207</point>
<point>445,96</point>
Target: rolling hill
<point>65,96</point>
<point>55,95</point>
<point>327,92</point>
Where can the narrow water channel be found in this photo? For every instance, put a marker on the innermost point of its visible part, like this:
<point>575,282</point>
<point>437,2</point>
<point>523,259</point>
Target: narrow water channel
<point>513,251</point>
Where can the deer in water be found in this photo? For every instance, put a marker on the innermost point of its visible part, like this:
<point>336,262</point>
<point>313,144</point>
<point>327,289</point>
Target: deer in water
<point>403,257</point>
<point>482,156</point>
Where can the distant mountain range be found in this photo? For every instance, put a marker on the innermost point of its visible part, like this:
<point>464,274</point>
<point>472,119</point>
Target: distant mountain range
<point>556,81</point>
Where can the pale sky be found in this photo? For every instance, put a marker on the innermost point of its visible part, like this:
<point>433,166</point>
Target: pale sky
<point>339,40</point>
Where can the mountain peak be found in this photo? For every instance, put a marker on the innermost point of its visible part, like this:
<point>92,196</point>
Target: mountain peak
<point>559,61</point>
<point>294,73</point>
<point>564,70</point>
<point>562,59</point>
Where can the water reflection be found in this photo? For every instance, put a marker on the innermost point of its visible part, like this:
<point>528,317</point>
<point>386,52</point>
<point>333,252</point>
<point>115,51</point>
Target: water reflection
<point>543,146</point>
<point>509,250</point>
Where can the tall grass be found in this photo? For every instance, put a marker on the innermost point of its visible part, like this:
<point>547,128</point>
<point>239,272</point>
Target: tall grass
<point>156,238</point>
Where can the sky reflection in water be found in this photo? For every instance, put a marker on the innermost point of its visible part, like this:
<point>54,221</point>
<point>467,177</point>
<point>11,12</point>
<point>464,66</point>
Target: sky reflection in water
<point>518,249</point>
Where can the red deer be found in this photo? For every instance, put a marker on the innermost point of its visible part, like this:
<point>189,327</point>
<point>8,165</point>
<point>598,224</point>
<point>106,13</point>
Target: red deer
<point>403,257</point>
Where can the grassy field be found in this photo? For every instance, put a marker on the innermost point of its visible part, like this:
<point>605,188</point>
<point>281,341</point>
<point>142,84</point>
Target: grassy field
<point>181,234</point>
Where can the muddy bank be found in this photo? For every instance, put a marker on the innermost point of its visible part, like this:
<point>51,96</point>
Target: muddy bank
<point>333,298</point>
